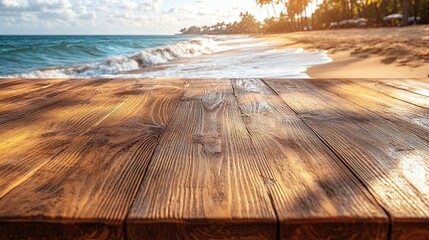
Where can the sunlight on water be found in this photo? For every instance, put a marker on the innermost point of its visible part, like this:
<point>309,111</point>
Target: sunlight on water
<point>203,57</point>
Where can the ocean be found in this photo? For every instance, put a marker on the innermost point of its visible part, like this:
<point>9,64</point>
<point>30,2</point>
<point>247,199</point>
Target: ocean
<point>151,56</point>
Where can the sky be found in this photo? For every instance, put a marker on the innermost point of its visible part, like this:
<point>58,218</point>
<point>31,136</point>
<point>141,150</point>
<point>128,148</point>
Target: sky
<point>118,16</point>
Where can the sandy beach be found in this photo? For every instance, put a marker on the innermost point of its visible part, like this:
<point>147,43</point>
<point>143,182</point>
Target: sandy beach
<point>365,53</point>
<point>344,53</point>
<point>356,53</point>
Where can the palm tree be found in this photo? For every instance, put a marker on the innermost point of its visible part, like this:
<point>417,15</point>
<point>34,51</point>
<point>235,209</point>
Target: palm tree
<point>406,13</point>
<point>261,3</point>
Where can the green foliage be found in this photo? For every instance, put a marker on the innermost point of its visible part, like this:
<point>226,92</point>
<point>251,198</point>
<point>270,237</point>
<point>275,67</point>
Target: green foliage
<point>424,12</point>
<point>247,25</point>
<point>328,14</point>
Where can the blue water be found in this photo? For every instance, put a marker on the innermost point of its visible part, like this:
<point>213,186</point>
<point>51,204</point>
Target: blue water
<point>127,56</point>
<point>21,54</point>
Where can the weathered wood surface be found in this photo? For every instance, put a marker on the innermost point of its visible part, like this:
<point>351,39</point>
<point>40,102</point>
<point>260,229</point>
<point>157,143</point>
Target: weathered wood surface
<point>203,181</point>
<point>207,159</point>
<point>415,92</point>
<point>14,88</point>
<point>411,117</point>
<point>29,142</point>
<point>28,101</point>
<point>306,181</point>
<point>391,161</point>
<point>87,189</point>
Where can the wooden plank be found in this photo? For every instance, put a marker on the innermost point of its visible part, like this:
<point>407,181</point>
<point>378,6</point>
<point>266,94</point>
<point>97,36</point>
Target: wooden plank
<point>418,86</point>
<point>29,142</point>
<point>8,82</point>
<point>411,117</point>
<point>203,181</point>
<point>13,88</point>
<point>314,194</point>
<point>393,90</point>
<point>31,100</point>
<point>87,190</point>
<point>388,159</point>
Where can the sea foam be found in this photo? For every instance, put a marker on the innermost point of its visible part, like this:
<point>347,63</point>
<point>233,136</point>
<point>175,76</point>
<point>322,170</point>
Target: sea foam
<point>146,58</point>
<point>204,57</point>
<point>244,58</point>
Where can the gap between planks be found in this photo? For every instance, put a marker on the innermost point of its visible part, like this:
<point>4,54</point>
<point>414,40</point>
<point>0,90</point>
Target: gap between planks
<point>389,228</point>
<point>308,113</point>
<point>274,208</point>
<point>156,119</point>
<point>234,94</point>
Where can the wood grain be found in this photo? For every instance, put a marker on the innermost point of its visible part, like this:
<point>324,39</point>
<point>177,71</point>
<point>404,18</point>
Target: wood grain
<point>31,98</point>
<point>314,194</point>
<point>14,88</point>
<point>409,116</point>
<point>31,141</point>
<point>218,159</point>
<point>397,90</point>
<point>203,181</point>
<point>87,189</point>
<point>418,86</point>
<point>391,161</point>
<point>59,229</point>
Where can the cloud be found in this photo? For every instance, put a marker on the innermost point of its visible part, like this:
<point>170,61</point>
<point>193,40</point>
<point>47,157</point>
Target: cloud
<point>114,16</point>
<point>51,4</point>
<point>13,4</point>
<point>90,15</point>
<point>106,14</point>
<point>129,5</point>
<point>34,5</point>
<point>152,5</point>
<point>65,13</point>
<point>36,13</point>
<point>28,17</point>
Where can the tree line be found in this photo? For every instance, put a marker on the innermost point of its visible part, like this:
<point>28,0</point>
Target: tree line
<point>327,14</point>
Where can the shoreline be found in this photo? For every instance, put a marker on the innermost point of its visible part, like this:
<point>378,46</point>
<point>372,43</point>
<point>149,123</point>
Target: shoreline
<point>355,53</point>
<point>364,53</point>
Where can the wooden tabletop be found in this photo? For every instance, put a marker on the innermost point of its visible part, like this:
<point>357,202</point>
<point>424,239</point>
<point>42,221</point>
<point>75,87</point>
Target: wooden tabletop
<point>214,159</point>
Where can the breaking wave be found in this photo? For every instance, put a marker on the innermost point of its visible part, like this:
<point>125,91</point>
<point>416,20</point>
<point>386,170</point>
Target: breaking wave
<point>146,58</point>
